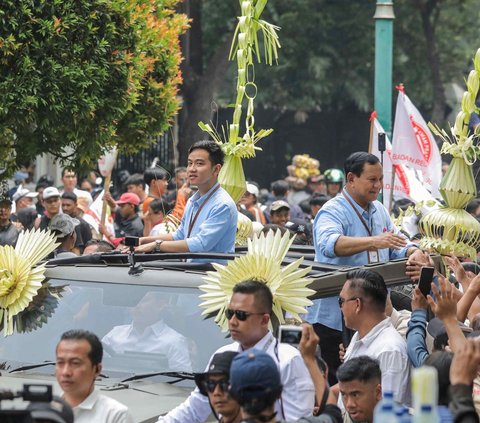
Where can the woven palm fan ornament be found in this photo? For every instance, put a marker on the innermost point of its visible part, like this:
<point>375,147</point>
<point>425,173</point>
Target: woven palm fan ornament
<point>450,229</point>
<point>263,263</point>
<point>26,301</point>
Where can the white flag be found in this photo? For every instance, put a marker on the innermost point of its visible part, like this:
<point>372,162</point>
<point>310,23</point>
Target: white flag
<point>414,144</point>
<point>405,184</point>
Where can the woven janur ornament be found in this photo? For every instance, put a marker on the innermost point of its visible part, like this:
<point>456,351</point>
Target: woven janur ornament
<point>263,263</point>
<point>21,277</point>
<point>450,229</point>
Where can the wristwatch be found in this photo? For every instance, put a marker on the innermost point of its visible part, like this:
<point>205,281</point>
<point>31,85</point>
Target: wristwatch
<point>158,242</point>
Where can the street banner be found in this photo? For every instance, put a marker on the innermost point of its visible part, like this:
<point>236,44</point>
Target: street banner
<point>414,145</point>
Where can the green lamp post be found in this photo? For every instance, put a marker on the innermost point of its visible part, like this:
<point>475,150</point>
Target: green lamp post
<point>384,17</point>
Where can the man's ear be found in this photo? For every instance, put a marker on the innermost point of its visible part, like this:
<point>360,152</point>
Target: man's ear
<point>98,369</point>
<point>217,168</point>
<point>265,319</point>
<point>378,392</point>
<point>350,177</point>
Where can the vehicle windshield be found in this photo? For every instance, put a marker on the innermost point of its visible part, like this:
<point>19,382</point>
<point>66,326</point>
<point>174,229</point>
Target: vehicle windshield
<point>143,329</point>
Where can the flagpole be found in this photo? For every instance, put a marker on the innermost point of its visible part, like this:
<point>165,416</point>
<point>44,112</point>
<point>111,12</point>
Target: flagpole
<point>392,182</point>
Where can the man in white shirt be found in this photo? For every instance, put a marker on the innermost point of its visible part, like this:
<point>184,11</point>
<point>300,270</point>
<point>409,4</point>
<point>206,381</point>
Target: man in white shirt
<point>150,334</point>
<point>249,313</point>
<point>79,361</point>
<point>362,301</point>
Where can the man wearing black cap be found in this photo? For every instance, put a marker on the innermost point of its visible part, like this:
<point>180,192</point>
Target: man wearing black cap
<point>256,385</point>
<point>214,385</point>
<point>8,231</point>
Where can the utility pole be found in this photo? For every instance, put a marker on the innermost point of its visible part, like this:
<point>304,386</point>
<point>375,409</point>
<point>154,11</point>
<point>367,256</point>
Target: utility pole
<point>384,17</point>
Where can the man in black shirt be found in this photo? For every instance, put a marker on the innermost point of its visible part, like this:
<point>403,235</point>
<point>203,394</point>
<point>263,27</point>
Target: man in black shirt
<point>127,220</point>
<point>69,206</point>
<point>8,231</point>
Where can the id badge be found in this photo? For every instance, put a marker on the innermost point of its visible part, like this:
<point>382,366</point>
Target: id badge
<point>373,257</point>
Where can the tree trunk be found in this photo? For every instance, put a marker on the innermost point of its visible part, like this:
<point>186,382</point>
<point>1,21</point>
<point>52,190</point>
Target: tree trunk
<point>429,11</point>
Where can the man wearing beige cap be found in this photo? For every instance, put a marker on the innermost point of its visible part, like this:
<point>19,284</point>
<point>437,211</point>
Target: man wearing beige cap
<point>279,213</point>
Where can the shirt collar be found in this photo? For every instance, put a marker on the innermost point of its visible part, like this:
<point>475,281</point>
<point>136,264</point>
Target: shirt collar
<point>371,207</point>
<point>89,402</point>
<point>374,332</point>
<point>197,199</point>
<point>263,343</point>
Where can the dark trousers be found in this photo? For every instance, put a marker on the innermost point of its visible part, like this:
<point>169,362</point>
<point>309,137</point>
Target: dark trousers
<point>330,339</point>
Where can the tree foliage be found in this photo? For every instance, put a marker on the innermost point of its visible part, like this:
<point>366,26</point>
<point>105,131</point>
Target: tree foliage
<point>77,77</point>
<point>327,57</point>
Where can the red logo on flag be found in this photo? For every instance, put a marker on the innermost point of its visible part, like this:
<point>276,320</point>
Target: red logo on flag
<point>423,140</point>
<point>402,177</point>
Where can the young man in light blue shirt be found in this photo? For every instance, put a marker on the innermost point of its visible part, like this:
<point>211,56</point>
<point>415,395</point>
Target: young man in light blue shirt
<point>209,223</point>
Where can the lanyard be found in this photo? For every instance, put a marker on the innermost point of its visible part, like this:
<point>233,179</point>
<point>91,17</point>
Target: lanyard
<point>193,218</point>
<point>359,216</point>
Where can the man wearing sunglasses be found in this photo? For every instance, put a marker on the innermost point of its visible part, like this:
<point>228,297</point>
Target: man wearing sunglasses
<point>249,312</point>
<point>214,384</point>
<point>362,301</point>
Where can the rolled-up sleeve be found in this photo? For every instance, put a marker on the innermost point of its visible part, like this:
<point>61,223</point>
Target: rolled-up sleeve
<point>328,228</point>
<point>417,331</point>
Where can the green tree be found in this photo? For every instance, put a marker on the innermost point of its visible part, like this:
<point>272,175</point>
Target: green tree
<point>327,57</point>
<point>84,75</point>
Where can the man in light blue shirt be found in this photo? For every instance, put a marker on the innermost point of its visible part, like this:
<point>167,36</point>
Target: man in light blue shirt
<point>352,229</point>
<point>209,223</point>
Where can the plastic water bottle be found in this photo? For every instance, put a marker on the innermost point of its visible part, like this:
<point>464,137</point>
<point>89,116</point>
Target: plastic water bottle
<point>385,414</point>
<point>427,415</point>
<point>402,415</point>
<point>384,410</point>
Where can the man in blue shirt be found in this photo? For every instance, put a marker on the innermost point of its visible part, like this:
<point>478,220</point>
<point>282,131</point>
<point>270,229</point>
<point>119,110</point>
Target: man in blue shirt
<point>209,223</point>
<point>353,229</point>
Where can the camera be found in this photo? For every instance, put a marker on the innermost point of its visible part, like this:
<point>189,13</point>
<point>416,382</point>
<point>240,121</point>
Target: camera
<point>290,334</point>
<point>43,406</point>
<point>132,241</point>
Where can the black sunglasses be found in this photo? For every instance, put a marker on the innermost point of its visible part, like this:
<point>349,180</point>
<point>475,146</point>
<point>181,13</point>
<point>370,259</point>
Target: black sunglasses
<point>342,301</point>
<point>239,314</point>
<point>210,385</point>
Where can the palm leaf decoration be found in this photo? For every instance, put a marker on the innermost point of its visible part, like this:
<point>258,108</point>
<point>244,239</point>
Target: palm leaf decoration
<point>21,278</point>
<point>263,263</point>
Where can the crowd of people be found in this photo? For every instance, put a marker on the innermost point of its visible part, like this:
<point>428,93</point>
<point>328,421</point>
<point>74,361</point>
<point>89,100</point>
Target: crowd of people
<point>367,344</point>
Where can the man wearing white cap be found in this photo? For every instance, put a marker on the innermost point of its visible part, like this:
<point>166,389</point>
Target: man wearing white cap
<point>249,201</point>
<point>23,198</point>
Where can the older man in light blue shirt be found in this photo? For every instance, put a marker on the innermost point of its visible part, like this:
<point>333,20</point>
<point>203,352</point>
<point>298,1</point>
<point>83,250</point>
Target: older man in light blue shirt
<point>209,223</point>
<point>353,229</point>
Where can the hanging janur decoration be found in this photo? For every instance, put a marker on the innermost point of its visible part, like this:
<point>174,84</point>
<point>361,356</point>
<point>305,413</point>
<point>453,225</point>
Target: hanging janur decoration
<point>26,301</point>
<point>450,229</point>
<point>244,47</point>
<point>263,263</point>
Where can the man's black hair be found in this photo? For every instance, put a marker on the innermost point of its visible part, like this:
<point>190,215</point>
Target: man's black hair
<point>68,169</point>
<point>102,246</point>
<point>356,162</point>
<point>215,152</point>
<point>136,179</point>
<point>262,293</point>
<point>318,199</point>
<point>279,188</point>
<point>96,349</point>
<point>160,205</point>
<point>361,368</point>
<point>69,196</point>
<point>154,174</point>
<point>371,285</point>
